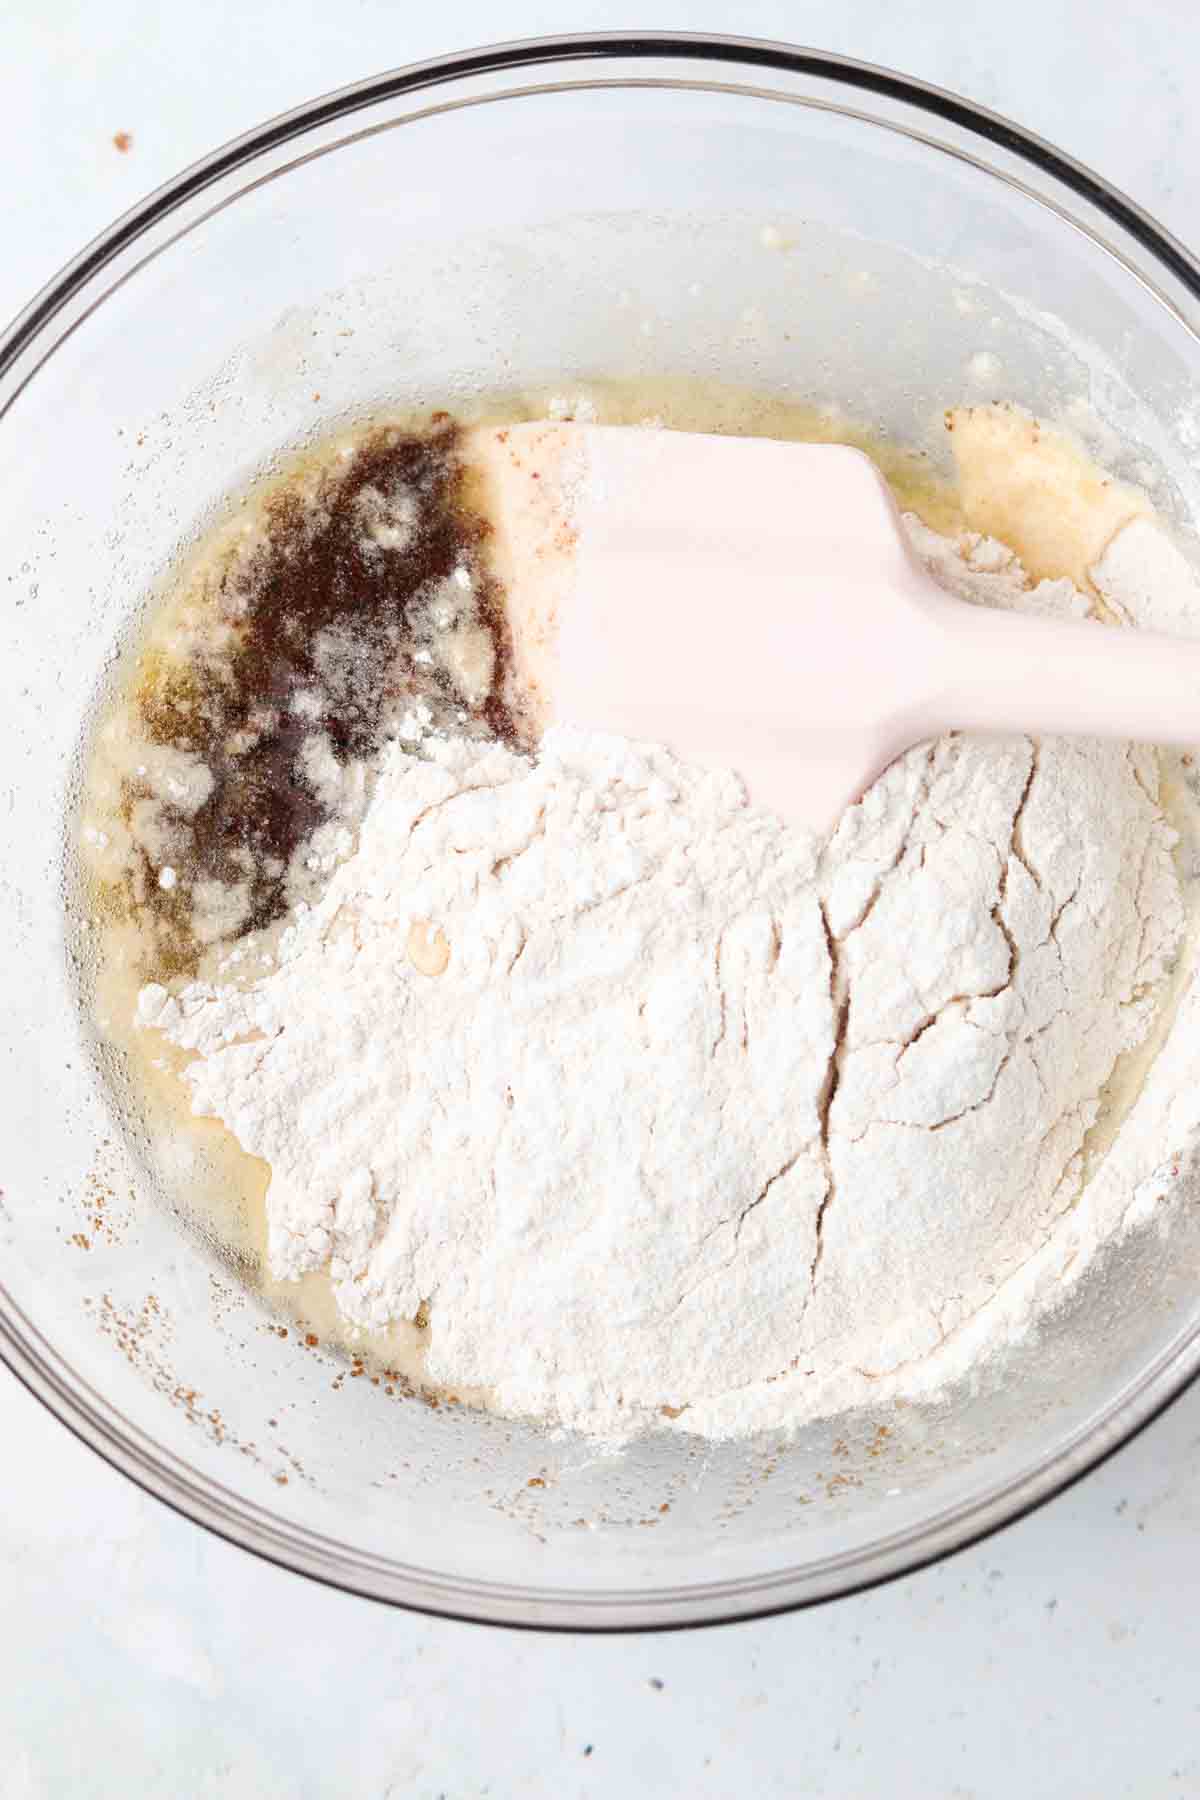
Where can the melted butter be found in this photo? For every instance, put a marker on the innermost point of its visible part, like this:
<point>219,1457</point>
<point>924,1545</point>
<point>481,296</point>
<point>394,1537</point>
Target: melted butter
<point>1036,489</point>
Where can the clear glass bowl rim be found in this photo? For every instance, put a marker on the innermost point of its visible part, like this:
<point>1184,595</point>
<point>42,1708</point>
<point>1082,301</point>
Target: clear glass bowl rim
<point>1158,258</point>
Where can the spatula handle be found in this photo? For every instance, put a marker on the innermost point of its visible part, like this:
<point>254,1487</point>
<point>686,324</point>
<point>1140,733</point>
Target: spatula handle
<point>1010,672</point>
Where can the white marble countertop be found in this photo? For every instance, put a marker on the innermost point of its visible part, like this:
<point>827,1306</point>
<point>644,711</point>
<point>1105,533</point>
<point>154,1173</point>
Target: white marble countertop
<point>141,1657</point>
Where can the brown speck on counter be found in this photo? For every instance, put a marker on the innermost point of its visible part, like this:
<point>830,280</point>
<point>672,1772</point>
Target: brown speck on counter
<point>123,141</point>
<point>311,1340</point>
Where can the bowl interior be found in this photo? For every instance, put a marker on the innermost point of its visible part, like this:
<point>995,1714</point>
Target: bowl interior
<point>529,226</point>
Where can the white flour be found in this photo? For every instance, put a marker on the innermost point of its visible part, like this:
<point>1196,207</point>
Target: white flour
<point>661,1117</point>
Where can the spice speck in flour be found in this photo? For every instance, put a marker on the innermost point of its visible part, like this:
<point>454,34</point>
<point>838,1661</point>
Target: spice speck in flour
<point>655,1112</point>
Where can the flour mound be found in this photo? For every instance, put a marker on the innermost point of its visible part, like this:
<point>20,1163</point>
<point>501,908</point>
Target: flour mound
<point>696,1124</point>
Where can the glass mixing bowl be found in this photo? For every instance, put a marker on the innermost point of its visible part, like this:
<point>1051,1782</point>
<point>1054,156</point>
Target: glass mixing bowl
<point>551,211</point>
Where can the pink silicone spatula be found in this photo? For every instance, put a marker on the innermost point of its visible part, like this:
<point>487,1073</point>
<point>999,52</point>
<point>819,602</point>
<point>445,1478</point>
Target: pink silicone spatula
<point>755,604</point>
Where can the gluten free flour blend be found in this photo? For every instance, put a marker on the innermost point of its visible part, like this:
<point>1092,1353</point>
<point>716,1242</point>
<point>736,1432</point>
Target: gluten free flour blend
<point>660,1112</point>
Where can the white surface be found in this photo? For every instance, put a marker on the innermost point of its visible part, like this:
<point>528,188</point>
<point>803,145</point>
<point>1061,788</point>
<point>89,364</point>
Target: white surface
<point>140,1657</point>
